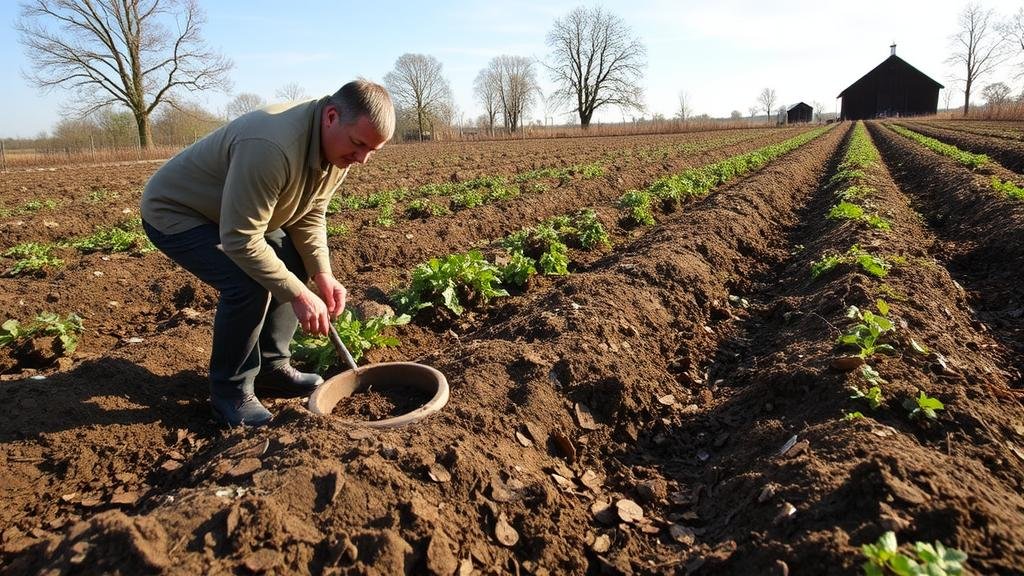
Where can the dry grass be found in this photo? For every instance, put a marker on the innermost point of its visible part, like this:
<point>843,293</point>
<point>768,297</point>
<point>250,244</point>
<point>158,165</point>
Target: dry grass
<point>1007,111</point>
<point>617,129</point>
<point>23,159</point>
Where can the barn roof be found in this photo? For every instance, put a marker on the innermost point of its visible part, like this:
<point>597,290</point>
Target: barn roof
<point>799,104</point>
<point>891,61</point>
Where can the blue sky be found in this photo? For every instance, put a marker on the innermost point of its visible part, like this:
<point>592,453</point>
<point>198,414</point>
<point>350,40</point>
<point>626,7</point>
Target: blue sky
<point>722,53</point>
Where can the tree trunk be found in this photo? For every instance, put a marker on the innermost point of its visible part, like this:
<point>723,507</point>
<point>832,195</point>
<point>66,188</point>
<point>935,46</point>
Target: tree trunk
<point>145,133</point>
<point>967,97</point>
<point>585,119</point>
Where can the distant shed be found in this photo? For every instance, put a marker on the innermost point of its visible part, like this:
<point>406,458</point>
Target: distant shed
<point>893,88</point>
<point>799,113</point>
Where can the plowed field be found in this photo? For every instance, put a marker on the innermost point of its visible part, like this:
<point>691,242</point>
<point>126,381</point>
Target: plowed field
<point>677,404</point>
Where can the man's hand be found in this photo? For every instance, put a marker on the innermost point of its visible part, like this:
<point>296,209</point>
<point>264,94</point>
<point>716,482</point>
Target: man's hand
<point>311,312</point>
<point>332,293</point>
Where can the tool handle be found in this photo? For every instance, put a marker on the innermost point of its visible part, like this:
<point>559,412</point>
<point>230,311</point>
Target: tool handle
<point>339,346</point>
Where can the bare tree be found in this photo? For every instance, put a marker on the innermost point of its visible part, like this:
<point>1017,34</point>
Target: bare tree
<point>243,104</point>
<point>683,112</point>
<point>135,53</point>
<point>978,48</point>
<point>419,87</point>
<point>753,110</point>
<point>736,115</point>
<point>1013,34</point>
<point>517,86</point>
<point>767,101</point>
<point>487,90</point>
<point>996,94</point>
<point>595,61</point>
<point>818,110</point>
<point>290,92</point>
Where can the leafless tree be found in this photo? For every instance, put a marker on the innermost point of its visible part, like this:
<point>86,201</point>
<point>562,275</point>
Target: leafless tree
<point>767,101</point>
<point>1013,34</point>
<point>418,86</point>
<point>683,112</point>
<point>997,93</point>
<point>516,83</point>
<point>736,115</point>
<point>486,88</point>
<point>291,91</point>
<point>979,48</point>
<point>243,104</point>
<point>818,110</point>
<point>753,110</point>
<point>134,53</point>
<point>595,61</point>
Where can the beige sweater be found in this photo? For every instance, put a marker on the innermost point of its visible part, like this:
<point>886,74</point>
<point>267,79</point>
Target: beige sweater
<point>260,172</point>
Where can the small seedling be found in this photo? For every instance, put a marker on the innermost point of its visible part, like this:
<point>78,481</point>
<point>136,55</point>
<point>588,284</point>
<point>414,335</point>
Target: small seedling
<point>923,406</point>
<point>884,558</point>
<point>865,335</point>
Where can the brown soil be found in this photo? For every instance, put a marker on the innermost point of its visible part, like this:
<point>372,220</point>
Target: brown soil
<point>667,372</point>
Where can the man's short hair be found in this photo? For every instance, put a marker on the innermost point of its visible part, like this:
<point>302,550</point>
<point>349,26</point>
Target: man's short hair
<point>364,98</point>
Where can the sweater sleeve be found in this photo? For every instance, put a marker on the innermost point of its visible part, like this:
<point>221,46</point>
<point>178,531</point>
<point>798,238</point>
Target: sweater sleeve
<point>257,173</point>
<point>309,233</point>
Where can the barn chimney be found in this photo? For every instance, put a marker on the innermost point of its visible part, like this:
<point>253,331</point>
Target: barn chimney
<point>892,49</point>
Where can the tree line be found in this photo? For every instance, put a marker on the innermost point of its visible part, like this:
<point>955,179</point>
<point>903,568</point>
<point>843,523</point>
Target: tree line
<point>135,60</point>
<point>132,63</point>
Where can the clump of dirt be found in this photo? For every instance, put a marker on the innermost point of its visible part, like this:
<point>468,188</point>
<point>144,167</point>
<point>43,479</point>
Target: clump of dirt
<point>382,402</point>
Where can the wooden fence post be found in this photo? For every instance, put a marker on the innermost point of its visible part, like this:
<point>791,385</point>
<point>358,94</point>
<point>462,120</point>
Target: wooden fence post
<point>3,156</point>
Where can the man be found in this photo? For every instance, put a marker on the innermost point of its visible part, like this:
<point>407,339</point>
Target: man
<point>244,210</point>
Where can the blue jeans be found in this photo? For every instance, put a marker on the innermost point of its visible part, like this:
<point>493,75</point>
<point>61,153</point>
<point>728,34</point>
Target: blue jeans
<point>250,328</point>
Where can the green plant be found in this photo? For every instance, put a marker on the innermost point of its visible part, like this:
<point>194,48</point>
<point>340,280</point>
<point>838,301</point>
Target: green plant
<point>101,195</point>
<point>846,211</point>
<point>1009,188</point>
<point>884,558</point>
<point>65,329</point>
<point>636,206</point>
<point>32,257</point>
<point>452,282</point>
<point>923,406</point>
<point>124,237</point>
<point>865,335</point>
<point>850,416</point>
<point>589,230</point>
<point>873,396</point>
<point>518,270</point>
<point>826,264</point>
<point>358,335</point>
<point>334,230</point>
<point>422,208</point>
<point>849,211</point>
<point>874,265</point>
<point>972,161</point>
<point>555,261</point>
<point>467,199</point>
<point>386,216</point>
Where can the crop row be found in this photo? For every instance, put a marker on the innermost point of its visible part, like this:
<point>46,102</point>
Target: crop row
<point>671,191</point>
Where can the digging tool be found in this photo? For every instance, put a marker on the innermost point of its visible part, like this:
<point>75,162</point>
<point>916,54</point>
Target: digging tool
<point>379,376</point>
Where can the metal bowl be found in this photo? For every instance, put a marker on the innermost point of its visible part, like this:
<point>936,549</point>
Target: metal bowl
<point>382,377</point>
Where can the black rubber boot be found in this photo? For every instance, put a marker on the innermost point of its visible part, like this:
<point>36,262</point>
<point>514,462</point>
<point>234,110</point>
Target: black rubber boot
<point>284,381</point>
<point>244,410</point>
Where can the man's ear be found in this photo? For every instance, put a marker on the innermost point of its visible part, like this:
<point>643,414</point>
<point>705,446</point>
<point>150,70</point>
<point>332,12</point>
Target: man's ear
<point>330,115</point>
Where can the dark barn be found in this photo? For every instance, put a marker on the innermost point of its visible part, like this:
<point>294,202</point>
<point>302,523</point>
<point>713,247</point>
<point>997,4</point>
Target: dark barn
<point>799,113</point>
<point>893,88</point>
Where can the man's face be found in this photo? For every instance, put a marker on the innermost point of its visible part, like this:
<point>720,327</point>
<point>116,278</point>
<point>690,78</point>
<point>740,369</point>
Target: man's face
<point>346,144</point>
